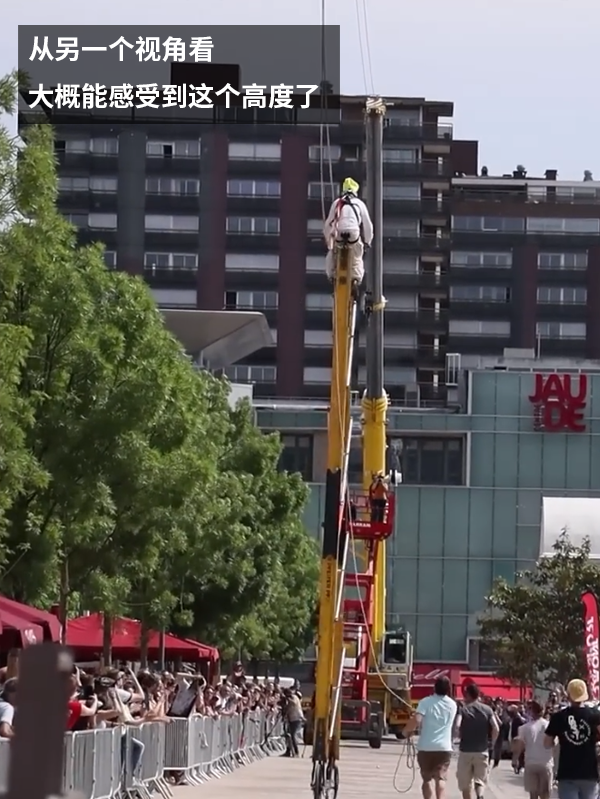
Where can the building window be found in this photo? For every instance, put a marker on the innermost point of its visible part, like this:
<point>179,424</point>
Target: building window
<point>243,151</point>
<point>472,327</point>
<point>564,330</point>
<point>110,259</point>
<point>314,227</point>
<point>251,299</point>
<point>102,221</point>
<point>104,185</point>
<point>480,293</point>
<point>401,191</point>
<point>104,146</point>
<point>317,375</point>
<point>318,338</point>
<point>253,188</point>
<point>172,224</point>
<point>79,220</point>
<point>326,191</point>
<point>73,184</point>
<point>251,374</point>
<point>170,260</point>
<point>297,455</point>
<point>253,225</point>
<point>189,186</point>
<point>331,153</point>
<point>96,185</point>
<point>401,228</point>
<point>401,265</point>
<point>432,461</point>
<point>319,302</point>
<point>400,156</point>
<point>563,226</point>
<point>404,118</point>
<point>73,145</point>
<point>562,260</point>
<point>488,224</point>
<point>502,260</point>
<point>252,262</point>
<point>173,149</point>
<point>355,464</point>
<point>570,194</point>
<point>562,296</point>
<point>480,655</point>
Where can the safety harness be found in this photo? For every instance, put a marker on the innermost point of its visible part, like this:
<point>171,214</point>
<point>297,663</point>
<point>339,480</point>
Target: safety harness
<point>346,199</point>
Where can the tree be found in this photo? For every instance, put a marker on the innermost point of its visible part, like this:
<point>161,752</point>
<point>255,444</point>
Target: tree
<point>262,564</point>
<point>126,481</point>
<point>535,626</point>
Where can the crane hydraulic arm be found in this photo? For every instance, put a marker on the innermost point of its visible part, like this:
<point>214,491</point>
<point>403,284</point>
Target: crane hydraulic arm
<point>375,400</point>
<point>330,658</point>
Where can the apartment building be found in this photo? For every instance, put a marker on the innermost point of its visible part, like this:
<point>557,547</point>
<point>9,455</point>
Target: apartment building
<point>230,217</point>
<point>525,265</point>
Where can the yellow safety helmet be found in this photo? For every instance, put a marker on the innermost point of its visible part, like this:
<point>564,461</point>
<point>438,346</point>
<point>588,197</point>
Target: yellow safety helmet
<point>350,185</point>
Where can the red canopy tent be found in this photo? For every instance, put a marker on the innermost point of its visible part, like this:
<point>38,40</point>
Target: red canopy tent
<point>86,634</point>
<point>212,651</point>
<point>17,632</point>
<point>48,622</point>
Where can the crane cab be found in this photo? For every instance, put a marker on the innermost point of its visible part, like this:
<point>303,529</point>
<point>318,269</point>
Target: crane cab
<point>396,659</point>
<point>395,668</point>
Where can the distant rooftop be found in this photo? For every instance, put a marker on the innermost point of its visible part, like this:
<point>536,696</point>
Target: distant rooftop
<point>525,360</point>
<point>519,177</point>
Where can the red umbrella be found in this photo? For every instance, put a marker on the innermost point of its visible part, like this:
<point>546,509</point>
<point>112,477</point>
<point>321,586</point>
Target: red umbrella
<point>41,618</point>
<point>85,635</point>
<point>17,632</point>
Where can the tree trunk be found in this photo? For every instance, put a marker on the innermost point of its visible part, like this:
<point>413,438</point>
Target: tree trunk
<point>107,641</point>
<point>144,632</point>
<point>63,598</point>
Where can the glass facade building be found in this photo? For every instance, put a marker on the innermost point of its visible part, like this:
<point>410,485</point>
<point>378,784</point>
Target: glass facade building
<point>469,509</point>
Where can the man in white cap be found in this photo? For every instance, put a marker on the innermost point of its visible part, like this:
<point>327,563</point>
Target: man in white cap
<point>576,727</point>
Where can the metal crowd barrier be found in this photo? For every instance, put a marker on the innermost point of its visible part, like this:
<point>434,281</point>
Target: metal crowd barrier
<point>144,761</point>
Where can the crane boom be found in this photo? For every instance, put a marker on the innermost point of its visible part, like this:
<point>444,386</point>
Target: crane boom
<point>375,401</point>
<point>330,659</point>
<point>352,625</point>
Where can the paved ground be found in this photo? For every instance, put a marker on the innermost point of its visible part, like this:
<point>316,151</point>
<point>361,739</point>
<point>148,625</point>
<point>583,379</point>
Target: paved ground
<point>363,773</point>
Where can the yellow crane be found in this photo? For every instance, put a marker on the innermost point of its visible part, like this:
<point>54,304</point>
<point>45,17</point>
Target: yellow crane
<point>354,626</point>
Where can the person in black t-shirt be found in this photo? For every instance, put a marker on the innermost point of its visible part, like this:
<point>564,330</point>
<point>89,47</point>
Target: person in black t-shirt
<point>576,727</point>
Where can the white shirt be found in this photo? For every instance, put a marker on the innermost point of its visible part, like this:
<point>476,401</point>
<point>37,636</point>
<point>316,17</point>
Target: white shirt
<point>437,720</point>
<point>351,218</point>
<point>7,713</point>
<point>532,735</point>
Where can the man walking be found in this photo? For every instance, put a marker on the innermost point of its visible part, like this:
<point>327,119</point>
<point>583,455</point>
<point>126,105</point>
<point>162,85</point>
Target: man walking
<point>576,727</point>
<point>476,728</point>
<point>435,715</point>
<point>538,758</point>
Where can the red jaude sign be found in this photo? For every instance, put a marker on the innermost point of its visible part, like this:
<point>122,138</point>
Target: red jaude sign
<point>559,402</point>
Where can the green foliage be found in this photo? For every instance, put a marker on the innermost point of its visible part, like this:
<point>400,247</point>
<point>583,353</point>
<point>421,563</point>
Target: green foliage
<point>535,627</point>
<point>127,484</point>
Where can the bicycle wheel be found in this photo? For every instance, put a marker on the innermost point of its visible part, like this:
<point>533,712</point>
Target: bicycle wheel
<point>317,782</point>
<point>332,781</point>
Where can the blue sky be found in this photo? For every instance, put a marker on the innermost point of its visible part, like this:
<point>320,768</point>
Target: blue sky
<point>523,74</point>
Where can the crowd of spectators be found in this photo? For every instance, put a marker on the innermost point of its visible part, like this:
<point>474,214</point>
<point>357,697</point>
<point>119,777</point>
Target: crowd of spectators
<point>106,697</point>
